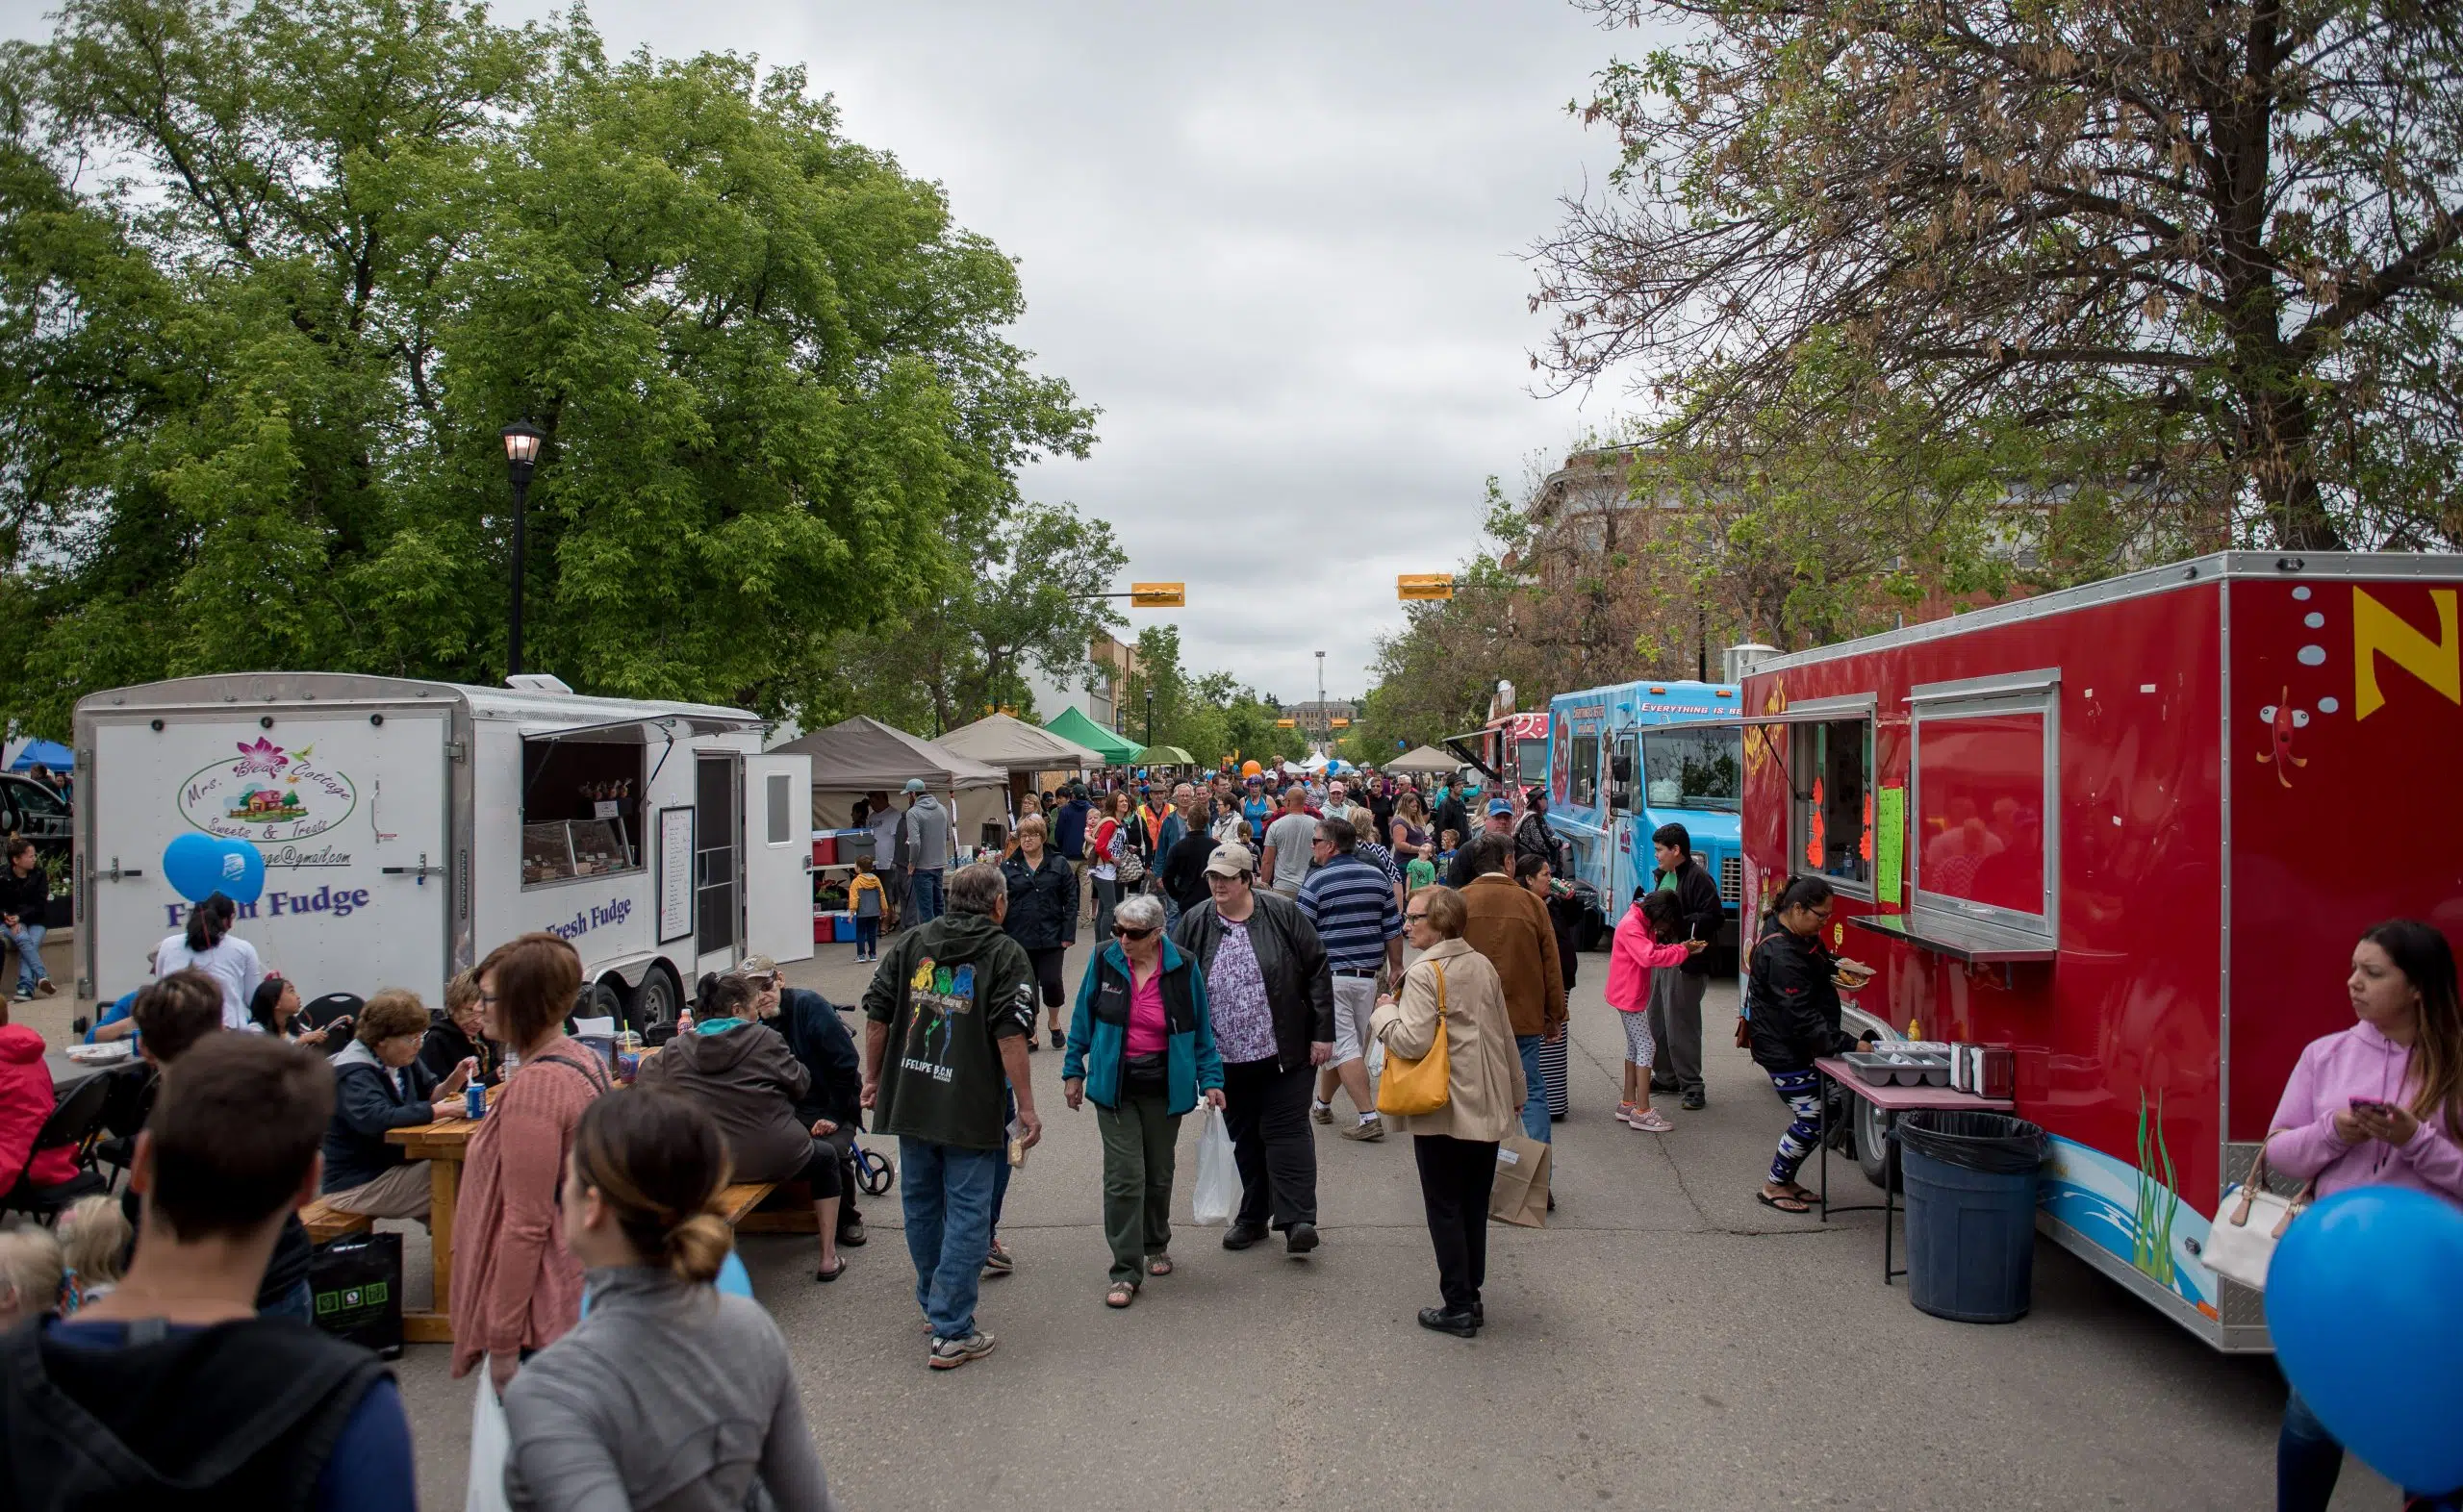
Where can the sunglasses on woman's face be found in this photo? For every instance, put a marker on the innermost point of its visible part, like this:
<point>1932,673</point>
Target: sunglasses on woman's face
<point>1127,933</point>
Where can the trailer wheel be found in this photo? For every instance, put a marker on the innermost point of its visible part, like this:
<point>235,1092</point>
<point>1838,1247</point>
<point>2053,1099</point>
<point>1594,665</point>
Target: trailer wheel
<point>1874,1152</point>
<point>602,1000</point>
<point>653,1002</point>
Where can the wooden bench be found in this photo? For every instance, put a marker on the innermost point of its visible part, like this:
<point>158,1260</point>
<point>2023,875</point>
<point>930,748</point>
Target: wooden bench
<point>783,1207</point>
<point>325,1222</point>
<point>741,1198</point>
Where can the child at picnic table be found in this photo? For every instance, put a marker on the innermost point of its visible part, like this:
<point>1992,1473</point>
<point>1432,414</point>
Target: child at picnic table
<point>1648,939</point>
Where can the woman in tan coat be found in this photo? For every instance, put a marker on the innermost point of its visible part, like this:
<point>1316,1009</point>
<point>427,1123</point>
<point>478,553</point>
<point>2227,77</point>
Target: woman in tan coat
<point>1457,1145</point>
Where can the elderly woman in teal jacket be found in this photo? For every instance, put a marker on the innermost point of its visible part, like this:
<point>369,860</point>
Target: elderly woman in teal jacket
<point>1141,1048</point>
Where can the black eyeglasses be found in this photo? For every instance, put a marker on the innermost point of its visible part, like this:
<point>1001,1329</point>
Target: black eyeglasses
<point>1127,933</point>
<point>1420,917</point>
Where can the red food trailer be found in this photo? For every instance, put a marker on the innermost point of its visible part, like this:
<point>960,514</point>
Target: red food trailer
<point>2130,830</point>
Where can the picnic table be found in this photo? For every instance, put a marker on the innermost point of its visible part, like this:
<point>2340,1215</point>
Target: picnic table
<point>1889,1100</point>
<point>444,1144</point>
<point>67,1073</point>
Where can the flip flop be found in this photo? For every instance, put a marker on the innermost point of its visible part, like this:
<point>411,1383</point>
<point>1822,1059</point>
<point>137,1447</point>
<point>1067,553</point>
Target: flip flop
<point>1784,1204</point>
<point>833,1272</point>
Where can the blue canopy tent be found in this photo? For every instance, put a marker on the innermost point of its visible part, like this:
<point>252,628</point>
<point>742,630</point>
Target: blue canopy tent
<point>48,753</point>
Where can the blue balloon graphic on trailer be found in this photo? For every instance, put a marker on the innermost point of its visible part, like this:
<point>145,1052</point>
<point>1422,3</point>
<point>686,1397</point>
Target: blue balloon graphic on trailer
<point>199,865</point>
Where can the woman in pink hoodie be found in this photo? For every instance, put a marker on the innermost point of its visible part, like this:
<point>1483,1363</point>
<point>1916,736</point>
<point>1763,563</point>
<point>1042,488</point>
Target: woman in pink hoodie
<point>2377,1104</point>
<point>1635,955</point>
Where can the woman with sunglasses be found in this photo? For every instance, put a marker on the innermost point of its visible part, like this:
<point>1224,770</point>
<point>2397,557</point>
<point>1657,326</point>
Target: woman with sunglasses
<point>1141,1048</point>
<point>1794,1022</point>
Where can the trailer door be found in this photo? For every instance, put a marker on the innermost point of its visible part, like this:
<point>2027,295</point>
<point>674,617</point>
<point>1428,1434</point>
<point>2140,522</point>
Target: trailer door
<point>777,856</point>
<point>347,813</point>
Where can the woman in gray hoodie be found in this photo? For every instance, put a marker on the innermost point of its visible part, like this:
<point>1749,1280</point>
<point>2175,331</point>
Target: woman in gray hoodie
<point>743,1073</point>
<point>669,1395</point>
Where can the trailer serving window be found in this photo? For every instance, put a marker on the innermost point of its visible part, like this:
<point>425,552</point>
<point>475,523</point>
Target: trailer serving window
<point>582,803</point>
<point>1830,779</point>
<point>1984,823</point>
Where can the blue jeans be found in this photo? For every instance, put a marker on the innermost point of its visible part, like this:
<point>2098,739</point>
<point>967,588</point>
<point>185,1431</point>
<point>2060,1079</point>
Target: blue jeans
<point>947,1196</point>
<point>924,896</point>
<point>297,1302</point>
<point>27,939</point>
<point>1534,1096</point>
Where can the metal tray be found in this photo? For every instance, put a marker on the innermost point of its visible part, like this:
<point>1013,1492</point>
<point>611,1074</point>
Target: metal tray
<point>1899,1067</point>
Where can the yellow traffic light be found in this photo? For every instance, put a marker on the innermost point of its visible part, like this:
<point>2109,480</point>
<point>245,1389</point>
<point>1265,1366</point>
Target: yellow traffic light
<point>1158,596</point>
<point>1286,724</point>
<point>1424,585</point>
<point>1339,724</point>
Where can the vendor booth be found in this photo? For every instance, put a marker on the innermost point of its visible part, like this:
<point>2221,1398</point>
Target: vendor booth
<point>860,756</point>
<point>1425,762</point>
<point>1110,750</point>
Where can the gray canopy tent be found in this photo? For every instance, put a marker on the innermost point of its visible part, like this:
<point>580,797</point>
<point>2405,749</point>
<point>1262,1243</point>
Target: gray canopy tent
<point>1426,761</point>
<point>862,755</point>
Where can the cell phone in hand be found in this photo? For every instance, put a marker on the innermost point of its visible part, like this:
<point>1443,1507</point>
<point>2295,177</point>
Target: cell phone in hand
<point>2370,1105</point>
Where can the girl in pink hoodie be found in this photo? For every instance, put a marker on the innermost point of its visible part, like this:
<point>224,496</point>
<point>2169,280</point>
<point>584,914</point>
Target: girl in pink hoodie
<point>2382,1103</point>
<point>2377,1104</point>
<point>1637,952</point>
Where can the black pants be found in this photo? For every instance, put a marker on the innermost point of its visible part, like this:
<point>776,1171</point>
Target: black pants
<point>1047,965</point>
<point>843,1142</point>
<point>822,1171</point>
<point>1456,1176</point>
<point>1267,1112</point>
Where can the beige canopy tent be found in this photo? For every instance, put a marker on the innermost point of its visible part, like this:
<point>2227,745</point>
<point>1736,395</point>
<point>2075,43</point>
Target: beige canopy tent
<point>862,755</point>
<point>1015,745</point>
<point>1426,761</point>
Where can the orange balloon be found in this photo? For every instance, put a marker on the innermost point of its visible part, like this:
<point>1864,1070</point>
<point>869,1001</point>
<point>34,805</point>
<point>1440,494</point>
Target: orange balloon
<point>1250,768</point>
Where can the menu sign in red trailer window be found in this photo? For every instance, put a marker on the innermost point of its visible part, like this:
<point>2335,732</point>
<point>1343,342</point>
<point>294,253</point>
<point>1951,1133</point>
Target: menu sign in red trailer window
<point>1980,823</point>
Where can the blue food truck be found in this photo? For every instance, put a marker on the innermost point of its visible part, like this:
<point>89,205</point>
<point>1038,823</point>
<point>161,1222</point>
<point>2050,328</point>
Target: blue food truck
<point>1621,763</point>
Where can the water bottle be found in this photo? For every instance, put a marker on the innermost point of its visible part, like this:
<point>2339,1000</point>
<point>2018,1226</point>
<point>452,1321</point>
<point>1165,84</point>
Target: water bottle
<point>475,1100</point>
<point>684,1023</point>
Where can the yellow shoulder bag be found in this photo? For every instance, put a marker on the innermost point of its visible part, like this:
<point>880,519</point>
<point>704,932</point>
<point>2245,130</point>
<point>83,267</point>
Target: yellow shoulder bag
<point>1412,1087</point>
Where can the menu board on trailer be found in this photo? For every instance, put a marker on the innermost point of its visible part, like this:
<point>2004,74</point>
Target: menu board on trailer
<point>674,873</point>
<point>1890,827</point>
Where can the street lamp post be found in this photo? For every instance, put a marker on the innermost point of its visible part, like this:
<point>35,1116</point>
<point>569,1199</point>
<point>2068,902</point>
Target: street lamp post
<point>1325,731</point>
<point>522,440</point>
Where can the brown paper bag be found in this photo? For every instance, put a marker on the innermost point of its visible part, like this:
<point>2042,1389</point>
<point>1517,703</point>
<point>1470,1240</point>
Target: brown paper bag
<point>1520,1196</point>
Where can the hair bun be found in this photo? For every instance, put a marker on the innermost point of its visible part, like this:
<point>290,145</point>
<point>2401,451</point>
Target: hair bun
<point>697,1246</point>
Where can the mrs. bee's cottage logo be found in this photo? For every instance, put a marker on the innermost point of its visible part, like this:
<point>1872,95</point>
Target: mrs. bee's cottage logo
<point>268,795</point>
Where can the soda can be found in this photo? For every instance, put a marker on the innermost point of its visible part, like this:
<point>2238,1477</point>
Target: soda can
<point>475,1100</point>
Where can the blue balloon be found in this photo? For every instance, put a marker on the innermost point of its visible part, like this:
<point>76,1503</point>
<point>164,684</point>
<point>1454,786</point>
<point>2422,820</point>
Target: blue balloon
<point>197,865</point>
<point>2365,1301</point>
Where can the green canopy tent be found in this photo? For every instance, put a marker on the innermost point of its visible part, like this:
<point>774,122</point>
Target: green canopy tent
<point>1072,724</point>
<point>1165,756</point>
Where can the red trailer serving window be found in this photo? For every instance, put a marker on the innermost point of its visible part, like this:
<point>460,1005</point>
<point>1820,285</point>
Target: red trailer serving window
<point>1985,770</point>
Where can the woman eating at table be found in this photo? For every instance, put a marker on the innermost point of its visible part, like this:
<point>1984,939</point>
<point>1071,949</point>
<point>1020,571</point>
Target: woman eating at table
<point>515,1289</point>
<point>671,1394</point>
<point>379,1086</point>
<point>743,1075</point>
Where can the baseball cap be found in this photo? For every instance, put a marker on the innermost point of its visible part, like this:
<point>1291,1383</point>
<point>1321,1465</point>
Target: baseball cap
<point>1499,806</point>
<point>757,966</point>
<point>1230,860</point>
<point>914,783</point>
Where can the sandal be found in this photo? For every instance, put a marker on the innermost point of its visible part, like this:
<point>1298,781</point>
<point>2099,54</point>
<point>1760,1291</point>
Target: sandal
<point>1120,1295</point>
<point>1803,1194</point>
<point>831,1273</point>
<point>1784,1204</point>
<point>1158,1265</point>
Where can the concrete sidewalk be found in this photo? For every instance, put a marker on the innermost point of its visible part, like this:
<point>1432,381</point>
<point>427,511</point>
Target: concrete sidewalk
<point>1667,1343</point>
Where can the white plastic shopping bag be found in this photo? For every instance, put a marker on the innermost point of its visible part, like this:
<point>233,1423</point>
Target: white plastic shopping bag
<point>1218,1174</point>
<point>488,1445</point>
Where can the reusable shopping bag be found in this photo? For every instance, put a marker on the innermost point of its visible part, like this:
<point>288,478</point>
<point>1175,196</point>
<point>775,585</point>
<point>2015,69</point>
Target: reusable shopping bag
<point>490,1443</point>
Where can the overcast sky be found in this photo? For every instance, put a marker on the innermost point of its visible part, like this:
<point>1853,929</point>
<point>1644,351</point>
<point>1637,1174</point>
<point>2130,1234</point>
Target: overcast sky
<point>1278,244</point>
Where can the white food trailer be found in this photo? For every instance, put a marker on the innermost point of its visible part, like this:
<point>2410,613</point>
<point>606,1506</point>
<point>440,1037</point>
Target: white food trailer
<point>406,828</point>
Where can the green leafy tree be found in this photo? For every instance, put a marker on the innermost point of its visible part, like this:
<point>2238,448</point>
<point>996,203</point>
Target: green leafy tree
<point>2211,249</point>
<point>271,278</point>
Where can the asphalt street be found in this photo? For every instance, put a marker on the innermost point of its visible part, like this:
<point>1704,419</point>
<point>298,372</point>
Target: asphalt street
<point>1664,1343</point>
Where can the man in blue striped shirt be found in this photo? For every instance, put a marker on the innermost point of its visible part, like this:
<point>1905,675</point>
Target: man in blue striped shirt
<point>1351,904</point>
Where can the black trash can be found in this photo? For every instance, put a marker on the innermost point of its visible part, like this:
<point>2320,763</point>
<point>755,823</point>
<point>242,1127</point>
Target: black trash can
<point>1970,1182</point>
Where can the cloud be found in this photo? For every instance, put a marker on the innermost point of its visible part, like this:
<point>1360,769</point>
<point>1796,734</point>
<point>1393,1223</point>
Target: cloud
<point>1277,243</point>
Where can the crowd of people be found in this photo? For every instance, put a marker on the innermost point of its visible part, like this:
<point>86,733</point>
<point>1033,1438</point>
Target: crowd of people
<point>1256,954</point>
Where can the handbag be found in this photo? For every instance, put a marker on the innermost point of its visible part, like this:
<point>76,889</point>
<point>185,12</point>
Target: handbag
<point>2240,1245</point>
<point>1413,1087</point>
<point>1127,863</point>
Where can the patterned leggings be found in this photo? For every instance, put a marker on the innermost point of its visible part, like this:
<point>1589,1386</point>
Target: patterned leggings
<point>1801,1090</point>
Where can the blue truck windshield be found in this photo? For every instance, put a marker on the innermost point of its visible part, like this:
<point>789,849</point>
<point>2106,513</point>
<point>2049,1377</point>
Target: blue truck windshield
<point>1700,769</point>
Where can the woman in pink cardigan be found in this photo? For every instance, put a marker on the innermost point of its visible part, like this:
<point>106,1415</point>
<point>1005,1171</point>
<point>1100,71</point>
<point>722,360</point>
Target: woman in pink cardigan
<point>1634,955</point>
<point>516,1289</point>
<point>2377,1104</point>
